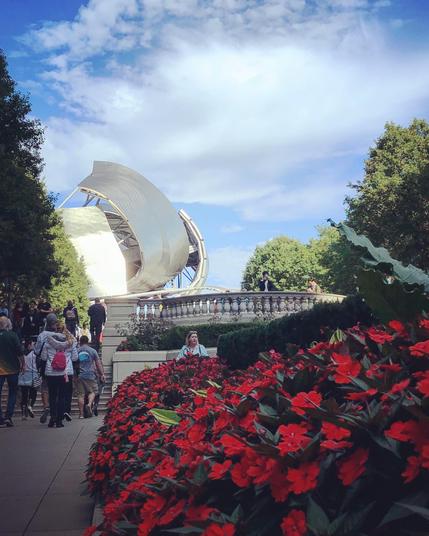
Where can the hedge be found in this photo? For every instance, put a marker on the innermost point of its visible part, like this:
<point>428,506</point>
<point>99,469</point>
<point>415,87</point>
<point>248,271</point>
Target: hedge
<point>208,334</point>
<point>241,347</point>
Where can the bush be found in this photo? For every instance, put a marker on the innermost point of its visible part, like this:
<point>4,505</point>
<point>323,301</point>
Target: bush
<point>331,440</point>
<point>241,348</point>
<point>208,334</point>
<point>143,333</point>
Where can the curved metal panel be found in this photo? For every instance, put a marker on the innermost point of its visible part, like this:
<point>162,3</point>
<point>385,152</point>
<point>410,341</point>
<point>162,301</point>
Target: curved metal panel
<point>161,235</point>
<point>91,236</point>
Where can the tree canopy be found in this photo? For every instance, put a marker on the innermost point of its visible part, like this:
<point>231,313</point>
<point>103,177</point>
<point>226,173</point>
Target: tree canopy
<point>35,254</point>
<point>391,206</point>
<point>71,283</point>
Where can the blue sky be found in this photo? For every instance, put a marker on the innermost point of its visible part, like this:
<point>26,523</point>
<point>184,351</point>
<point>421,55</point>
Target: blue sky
<point>251,115</point>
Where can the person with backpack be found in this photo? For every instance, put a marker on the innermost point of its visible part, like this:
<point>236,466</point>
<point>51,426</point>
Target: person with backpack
<point>89,369</point>
<point>50,328</point>
<point>71,317</point>
<point>58,367</point>
<point>29,380</point>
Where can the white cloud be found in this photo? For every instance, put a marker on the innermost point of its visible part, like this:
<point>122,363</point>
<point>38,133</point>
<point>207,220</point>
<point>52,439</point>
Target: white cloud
<point>229,102</point>
<point>227,265</point>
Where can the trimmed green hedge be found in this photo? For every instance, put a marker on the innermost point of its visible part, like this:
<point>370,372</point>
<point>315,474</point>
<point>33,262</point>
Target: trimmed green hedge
<point>208,334</point>
<point>241,348</point>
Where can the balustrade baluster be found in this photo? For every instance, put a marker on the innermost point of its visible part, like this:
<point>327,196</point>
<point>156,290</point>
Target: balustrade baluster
<point>226,306</point>
<point>234,305</point>
<point>197,307</point>
<point>250,305</point>
<point>212,306</point>
<point>242,305</point>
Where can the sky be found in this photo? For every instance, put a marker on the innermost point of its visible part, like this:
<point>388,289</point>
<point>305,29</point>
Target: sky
<point>254,116</point>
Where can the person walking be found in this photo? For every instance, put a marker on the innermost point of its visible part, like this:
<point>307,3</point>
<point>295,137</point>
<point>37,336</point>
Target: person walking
<point>89,369</point>
<point>58,372</point>
<point>192,348</point>
<point>97,317</point>
<point>72,354</point>
<point>31,323</point>
<point>50,329</point>
<point>29,380</point>
<point>11,363</point>
<point>71,317</point>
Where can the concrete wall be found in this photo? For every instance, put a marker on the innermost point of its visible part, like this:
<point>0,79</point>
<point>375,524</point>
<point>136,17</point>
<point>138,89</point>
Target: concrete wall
<point>125,363</point>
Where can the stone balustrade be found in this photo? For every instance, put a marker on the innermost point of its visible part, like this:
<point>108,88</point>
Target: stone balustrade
<point>198,309</point>
<point>243,306</point>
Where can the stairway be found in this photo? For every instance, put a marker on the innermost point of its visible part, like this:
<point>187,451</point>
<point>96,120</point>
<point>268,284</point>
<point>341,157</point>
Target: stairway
<point>102,405</point>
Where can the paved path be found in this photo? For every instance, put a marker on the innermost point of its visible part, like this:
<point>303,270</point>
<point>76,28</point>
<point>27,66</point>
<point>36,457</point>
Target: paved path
<point>41,478</point>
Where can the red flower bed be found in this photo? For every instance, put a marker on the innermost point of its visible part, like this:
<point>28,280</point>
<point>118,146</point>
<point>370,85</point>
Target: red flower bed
<point>333,440</point>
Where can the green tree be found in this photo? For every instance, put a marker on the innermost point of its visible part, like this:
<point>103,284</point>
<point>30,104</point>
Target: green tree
<point>289,262</point>
<point>27,214</point>
<point>391,205</point>
<point>336,264</point>
<point>71,283</point>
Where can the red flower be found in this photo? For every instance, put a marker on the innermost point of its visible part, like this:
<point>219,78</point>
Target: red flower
<point>172,512</point>
<point>379,336</point>
<point>424,324</point>
<point>294,438</point>
<point>199,513</point>
<point>423,384</point>
<point>304,477</point>
<point>353,466</point>
<point>399,387</point>
<point>232,445</point>
<point>220,469</point>
<point>399,327</point>
<point>404,431</point>
<point>219,530</point>
<point>412,469</point>
<point>345,368</point>
<point>363,395</point>
<point>240,475</point>
<point>294,524</point>
<point>420,349</point>
<point>332,431</point>
<point>305,400</point>
<point>279,486</point>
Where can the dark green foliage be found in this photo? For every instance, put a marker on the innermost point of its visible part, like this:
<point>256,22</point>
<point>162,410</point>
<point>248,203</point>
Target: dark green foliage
<point>208,334</point>
<point>241,348</point>
<point>392,290</point>
<point>391,206</point>
<point>27,214</point>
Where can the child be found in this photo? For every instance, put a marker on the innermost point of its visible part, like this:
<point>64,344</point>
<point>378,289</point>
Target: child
<point>29,380</point>
<point>85,331</point>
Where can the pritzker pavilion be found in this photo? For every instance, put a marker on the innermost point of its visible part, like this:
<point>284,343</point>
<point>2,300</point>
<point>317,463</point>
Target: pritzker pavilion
<point>130,236</point>
<point>142,256</point>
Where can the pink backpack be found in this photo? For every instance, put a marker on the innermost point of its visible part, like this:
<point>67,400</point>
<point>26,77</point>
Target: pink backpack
<point>59,362</point>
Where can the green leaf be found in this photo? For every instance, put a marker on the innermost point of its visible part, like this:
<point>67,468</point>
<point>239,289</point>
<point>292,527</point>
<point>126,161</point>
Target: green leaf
<point>354,520</point>
<point>200,475</point>
<point>167,417</point>
<point>391,301</point>
<point>317,520</point>
<point>214,384</point>
<point>380,259</point>
<point>419,510</point>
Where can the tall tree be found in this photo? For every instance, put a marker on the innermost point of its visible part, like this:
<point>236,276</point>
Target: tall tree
<point>391,205</point>
<point>72,282</point>
<point>27,214</point>
<point>289,262</point>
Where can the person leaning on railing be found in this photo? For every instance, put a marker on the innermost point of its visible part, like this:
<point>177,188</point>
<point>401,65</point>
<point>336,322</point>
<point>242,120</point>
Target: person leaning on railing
<point>192,348</point>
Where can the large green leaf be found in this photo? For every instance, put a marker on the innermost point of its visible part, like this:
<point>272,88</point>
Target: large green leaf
<point>317,520</point>
<point>380,259</point>
<point>391,301</point>
<point>166,416</point>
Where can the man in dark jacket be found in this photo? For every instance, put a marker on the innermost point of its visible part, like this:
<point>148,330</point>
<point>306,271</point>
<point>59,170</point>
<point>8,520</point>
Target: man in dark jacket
<point>97,317</point>
<point>265,285</point>
<point>71,317</point>
<point>31,324</point>
<point>11,363</point>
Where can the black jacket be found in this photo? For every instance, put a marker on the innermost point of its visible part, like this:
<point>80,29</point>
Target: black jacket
<point>271,286</point>
<point>97,314</point>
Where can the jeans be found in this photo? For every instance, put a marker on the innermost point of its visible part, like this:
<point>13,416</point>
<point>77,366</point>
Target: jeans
<point>28,396</point>
<point>57,387</point>
<point>12,383</point>
<point>68,396</point>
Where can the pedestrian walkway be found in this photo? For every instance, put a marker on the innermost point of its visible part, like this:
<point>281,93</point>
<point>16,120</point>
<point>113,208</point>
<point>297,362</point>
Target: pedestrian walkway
<point>41,478</point>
